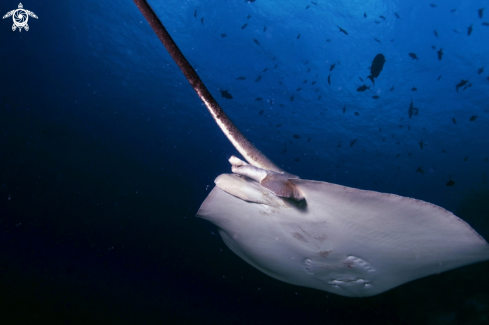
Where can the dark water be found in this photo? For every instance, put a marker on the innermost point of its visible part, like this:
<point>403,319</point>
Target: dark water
<point>106,153</point>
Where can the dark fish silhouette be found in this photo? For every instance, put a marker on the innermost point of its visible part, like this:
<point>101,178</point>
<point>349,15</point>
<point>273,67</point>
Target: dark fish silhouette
<point>258,99</point>
<point>265,70</point>
<point>225,94</point>
<point>461,83</point>
<point>308,6</point>
<point>472,118</point>
<point>392,88</point>
<point>382,17</point>
<point>258,79</point>
<point>414,89</point>
<point>481,12</point>
<point>265,28</point>
<point>244,26</point>
<point>377,22</point>
<point>397,15</point>
<point>202,20</point>
<point>305,81</point>
<point>363,88</point>
<point>299,36</point>
<point>275,66</point>
<point>365,14</point>
<point>344,109</point>
<point>433,5</point>
<point>456,31</point>
<point>436,33</point>
<point>314,3</point>
<point>485,24</point>
<point>377,41</point>
<point>469,30</point>
<point>420,170</point>
<point>413,111</point>
<point>375,97</point>
<point>438,78</point>
<point>440,54</point>
<point>313,83</point>
<point>453,10</point>
<point>480,70</point>
<point>454,120</point>
<point>256,41</point>
<point>413,56</point>
<point>433,47</point>
<point>353,142</point>
<point>223,35</point>
<point>421,144</point>
<point>361,79</point>
<point>450,183</point>
<point>261,112</point>
<point>241,78</point>
<point>329,79</point>
<point>195,13</point>
<point>249,16</point>
<point>296,136</point>
<point>292,98</point>
<point>298,89</point>
<point>331,67</point>
<point>356,113</point>
<point>376,67</point>
<point>342,30</point>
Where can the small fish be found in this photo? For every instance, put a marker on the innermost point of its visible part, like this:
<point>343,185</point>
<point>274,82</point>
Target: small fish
<point>377,22</point>
<point>433,47</point>
<point>308,70</point>
<point>226,94</point>
<point>275,66</point>
<point>414,89</point>
<point>261,112</point>
<point>328,40</point>
<point>195,13</point>
<point>473,118</point>
<point>469,30</point>
<point>480,70</point>
<point>420,170</point>
<point>421,144</point>
<point>202,20</point>
<point>436,33</point>
<point>461,83</point>
<point>375,97</point>
<point>377,41</point>
<point>413,56</point>
<point>329,79</point>
<point>258,99</point>
<point>265,70</point>
<point>299,36</point>
<point>342,30</point>
<point>450,183</point>
<point>344,109</point>
<point>376,67</point>
<point>313,83</point>
<point>292,98</point>
<point>241,78</point>
<point>454,120</point>
<point>304,82</point>
<point>392,88</point>
<point>278,125</point>
<point>309,139</point>
<point>256,41</point>
<point>265,28</point>
<point>308,6</point>
<point>249,16</point>
<point>223,35</point>
<point>433,5</point>
<point>244,26</point>
<point>382,17</point>
<point>314,3</point>
<point>353,142</point>
<point>319,97</point>
<point>397,15</point>
<point>258,79</point>
<point>298,89</point>
<point>466,158</point>
<point>365,14</point>
<point>363,88</point>
<point>356,113</point>
<point>440,54</point>
<point>296,136</point>
<point>481,12</point>
<point>438,78</point>
<point>331,67</point>
<point>456,31</point>
<point>361,79</point>
<point>485,24</point>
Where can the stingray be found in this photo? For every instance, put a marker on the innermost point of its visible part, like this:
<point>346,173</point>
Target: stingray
<point>320,235</point>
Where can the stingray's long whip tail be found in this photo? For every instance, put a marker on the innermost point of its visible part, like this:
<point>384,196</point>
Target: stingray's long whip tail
<point>254,156</point>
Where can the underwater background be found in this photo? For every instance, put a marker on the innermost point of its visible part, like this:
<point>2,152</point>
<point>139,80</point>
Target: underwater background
<point>106,152</point>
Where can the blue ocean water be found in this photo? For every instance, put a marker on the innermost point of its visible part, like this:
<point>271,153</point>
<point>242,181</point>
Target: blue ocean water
<point>106,152</point>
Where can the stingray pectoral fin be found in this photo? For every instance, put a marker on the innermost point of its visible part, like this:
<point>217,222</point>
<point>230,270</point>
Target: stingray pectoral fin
<point>347,241</point>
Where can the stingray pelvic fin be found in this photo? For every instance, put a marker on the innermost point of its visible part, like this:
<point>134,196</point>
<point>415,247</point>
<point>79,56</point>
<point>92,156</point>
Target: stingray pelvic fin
<point>277,183</point>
